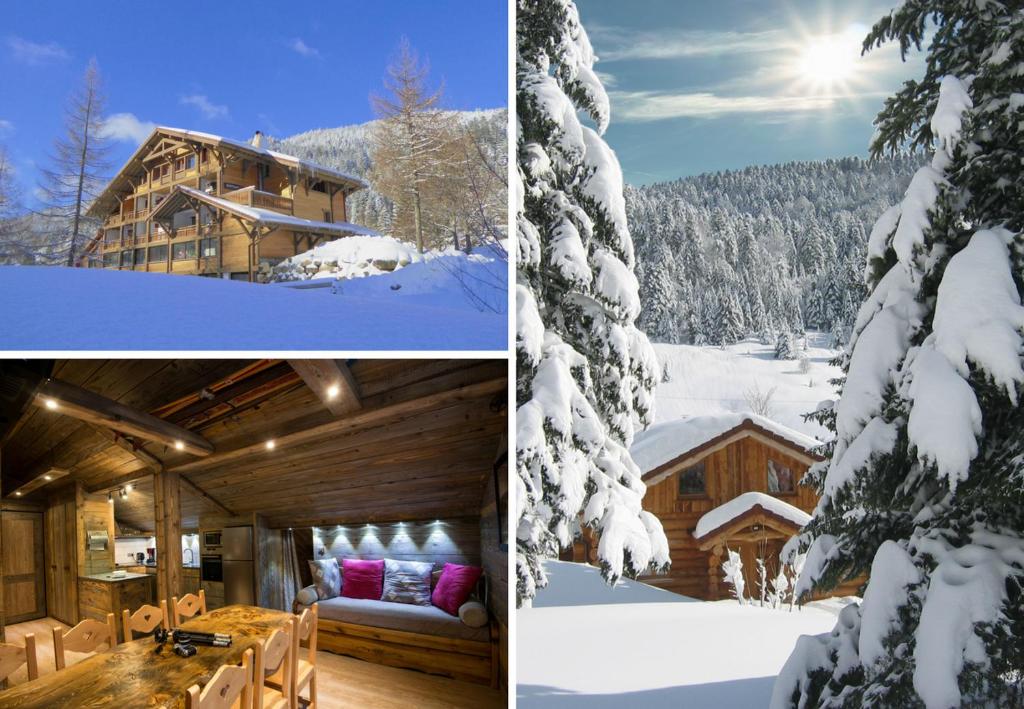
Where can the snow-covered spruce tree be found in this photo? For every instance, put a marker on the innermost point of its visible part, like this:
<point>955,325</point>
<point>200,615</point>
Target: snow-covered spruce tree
<point>785,348</point>
<point>924,488</point>
<point>585,373</point>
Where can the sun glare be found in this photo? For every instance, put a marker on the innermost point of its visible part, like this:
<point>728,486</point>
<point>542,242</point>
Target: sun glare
<point>828,63</point>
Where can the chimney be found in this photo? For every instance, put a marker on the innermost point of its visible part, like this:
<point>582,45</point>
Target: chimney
<point>257,140</point>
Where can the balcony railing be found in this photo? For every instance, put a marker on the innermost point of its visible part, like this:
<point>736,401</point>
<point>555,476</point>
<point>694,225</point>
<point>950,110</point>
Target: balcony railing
<point>252,197</point>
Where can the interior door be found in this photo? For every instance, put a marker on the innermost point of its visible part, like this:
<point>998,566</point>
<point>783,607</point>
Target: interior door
<point>23,569</point>
<point>61,562</point>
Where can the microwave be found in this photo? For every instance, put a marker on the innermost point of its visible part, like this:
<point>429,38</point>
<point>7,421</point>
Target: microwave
<point>211,539</point>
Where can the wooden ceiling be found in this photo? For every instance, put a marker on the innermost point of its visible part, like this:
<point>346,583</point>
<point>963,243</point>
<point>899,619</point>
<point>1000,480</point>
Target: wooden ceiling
<point>416,442</point>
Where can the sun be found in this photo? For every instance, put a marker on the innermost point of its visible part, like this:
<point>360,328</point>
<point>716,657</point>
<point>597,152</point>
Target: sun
<point>827,63</point>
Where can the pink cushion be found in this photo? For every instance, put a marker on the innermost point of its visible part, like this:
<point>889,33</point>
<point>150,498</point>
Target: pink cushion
<point>362,578</point>
<point>454,587</point>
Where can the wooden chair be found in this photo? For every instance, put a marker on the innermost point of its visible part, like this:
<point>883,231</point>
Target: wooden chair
<point>230,683</point>
<point>87,636</point>
<point>144,620</point>
<point>14,656</point>
<point>303,672</point>
<point>274,661</point>
<point>189,606</point>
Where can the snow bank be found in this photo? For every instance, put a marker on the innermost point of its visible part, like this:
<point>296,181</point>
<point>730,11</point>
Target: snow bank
<point>672,651</point>
<point>348,257</point>
<point>667,440</point>
<point>737,506</point>
<point>52,308</point>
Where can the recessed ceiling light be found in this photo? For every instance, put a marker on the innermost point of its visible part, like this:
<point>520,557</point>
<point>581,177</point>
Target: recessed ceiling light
<point>51,404</point>
<point>18,493</point>
<point>47,477</point>
<point>180,445</point>
<point>270,444</point>
<point>333,391</point>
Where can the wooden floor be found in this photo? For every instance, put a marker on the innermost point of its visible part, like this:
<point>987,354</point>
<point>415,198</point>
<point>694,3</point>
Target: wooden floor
<point>342,681</point>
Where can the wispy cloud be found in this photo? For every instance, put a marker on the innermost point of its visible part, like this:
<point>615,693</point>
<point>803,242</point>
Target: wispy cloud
<point>34,53</point>
<point>640,106</point>
<point>205,106</point>
<point>304,49</point>
<point>127,127</point>
<point>617,44</point>
<point>6,127</point>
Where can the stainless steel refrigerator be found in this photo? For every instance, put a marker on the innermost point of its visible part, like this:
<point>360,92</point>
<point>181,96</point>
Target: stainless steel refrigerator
<point>239,579</point>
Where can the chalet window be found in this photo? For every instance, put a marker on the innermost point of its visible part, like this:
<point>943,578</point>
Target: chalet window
<point>140,230</point>
<point>780,478</point>
<point>179,164</point>
<point>140,257</point>
<point>110,259</point>
<point>319,187</point>
<point>208,247</point>
<point>184,250</point>
<point>157,253</point>
<point>126,259</point>
<point>190,162</point>
<point>231,186</point>
<point>327,216</point>
<point>112,236</point>
<point>691,480</point>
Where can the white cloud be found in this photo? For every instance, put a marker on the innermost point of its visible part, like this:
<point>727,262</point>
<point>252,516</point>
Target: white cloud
<point>641,106</point>
<point>34,53</point>
<point>205,106</point>
<point>304,49</point>
<point>127,127</point>
<point>614,44</point>
<point>6,127</point>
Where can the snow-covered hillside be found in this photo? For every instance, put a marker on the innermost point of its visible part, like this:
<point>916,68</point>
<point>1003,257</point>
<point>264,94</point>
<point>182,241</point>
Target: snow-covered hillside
<point>583,644</point>
<point>711,380</point>
<point>54,308</point>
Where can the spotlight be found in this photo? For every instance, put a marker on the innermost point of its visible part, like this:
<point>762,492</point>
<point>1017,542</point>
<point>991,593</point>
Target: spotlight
<point>110,497</point>
<point>18,493</point>
<point>51,404</point>
<point>123,493</point>
<point>270,444</point>
<point>128,487</point>
<point>333,391</point>
<point>47,478</point>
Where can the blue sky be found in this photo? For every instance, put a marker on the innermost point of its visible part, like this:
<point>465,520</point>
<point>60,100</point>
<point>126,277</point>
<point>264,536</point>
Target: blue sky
<point>233,67</point>
<point>701,86</point>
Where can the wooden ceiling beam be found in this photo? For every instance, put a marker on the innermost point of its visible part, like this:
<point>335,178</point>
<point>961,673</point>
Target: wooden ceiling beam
<point>76,402</point>
<point>129,445</point>
<point>332,381</point>
<point>121,481</point>
<point>353,422</point>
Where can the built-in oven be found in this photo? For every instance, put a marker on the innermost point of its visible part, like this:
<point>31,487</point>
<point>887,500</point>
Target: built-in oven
<point>211,568</point>
<point>212,539</point>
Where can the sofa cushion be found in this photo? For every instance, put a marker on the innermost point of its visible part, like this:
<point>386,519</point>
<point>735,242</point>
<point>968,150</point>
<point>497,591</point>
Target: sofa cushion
<point>454,586</point>
<point>473,614</point>
<point>326,577</point>
<point>426,620</point>
<point>407,582</point>
<point>363,578</point>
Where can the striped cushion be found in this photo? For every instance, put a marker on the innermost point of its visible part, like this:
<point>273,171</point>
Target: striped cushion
<point>407,582</point>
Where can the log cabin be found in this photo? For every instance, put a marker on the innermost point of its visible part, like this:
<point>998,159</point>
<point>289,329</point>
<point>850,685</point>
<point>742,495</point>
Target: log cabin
<point>127,483</point>
<point>723,482</point>
<point>194,203</point>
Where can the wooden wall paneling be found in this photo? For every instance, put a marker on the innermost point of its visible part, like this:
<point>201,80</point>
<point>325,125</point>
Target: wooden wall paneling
<point>494,559</point>
<point>455,541</point>
<point>268,565</point>
<point>23,573</point>
<point>167,516</point>
<point>93,512</point>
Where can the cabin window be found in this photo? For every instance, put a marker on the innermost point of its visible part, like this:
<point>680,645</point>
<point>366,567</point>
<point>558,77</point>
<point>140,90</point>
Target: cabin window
<point>231,186</point>
<point>190,162</point>
<point>327,216</point>
<point>691,480</point>
<point>780,478</point>
<point>184,250</point>
<point>126,258</point>
<point>319,187</point>
<point>140,257</point>
<point>157,253</point>
<point>110,259</point>
<point>208,247</point>
<point>140,229</point>
<point>179,164</point>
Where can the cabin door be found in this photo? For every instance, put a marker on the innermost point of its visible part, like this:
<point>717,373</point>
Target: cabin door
<point>23,569</point>
<point>768,551</point>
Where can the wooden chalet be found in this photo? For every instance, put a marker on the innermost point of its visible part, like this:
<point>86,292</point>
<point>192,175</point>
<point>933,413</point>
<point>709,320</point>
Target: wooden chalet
<point>157,468</point>
<point>195,203</point>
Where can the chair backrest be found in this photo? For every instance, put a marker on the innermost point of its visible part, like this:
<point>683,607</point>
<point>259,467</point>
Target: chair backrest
<point>305,632</point>
<point>188,606</point>
<point>87,636</point>
<point>14,656</point>
<point>144,620</point>
<point>274,657</point>
<point>230,682</point>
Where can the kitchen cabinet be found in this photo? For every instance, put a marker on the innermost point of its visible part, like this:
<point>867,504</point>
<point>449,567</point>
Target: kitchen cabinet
<point>99,594</point>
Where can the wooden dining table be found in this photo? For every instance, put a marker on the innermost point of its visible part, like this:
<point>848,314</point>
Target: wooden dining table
<point>142,673</point>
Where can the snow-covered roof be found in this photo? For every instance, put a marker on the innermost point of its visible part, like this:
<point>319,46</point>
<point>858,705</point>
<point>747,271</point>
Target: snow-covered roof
<point>741,505</point>
<point>268,217</point>
<point>669,440</point>
<point>107,200</point>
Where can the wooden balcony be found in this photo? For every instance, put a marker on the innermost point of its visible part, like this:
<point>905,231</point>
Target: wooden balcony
<point>252,197</point>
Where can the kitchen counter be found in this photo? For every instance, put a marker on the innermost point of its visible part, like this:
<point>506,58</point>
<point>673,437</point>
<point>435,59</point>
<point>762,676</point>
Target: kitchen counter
<point>109,578</point>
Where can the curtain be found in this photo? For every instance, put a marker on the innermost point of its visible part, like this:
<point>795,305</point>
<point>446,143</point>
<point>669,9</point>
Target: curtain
<point>290,572</point>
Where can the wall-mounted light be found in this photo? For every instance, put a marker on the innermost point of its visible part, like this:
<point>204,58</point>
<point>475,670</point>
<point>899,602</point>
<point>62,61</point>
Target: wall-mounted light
<point>128,487</point>
<point>332,391</point>
<point>51,404</point>
<point>271,444</point>
<point>123,493</point>
<point>110,497</point>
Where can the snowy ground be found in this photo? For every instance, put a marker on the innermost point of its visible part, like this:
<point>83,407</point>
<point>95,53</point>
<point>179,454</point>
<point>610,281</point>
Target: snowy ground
<point>709,380</point>
<point>436,305</point>
<point>584,644</point>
